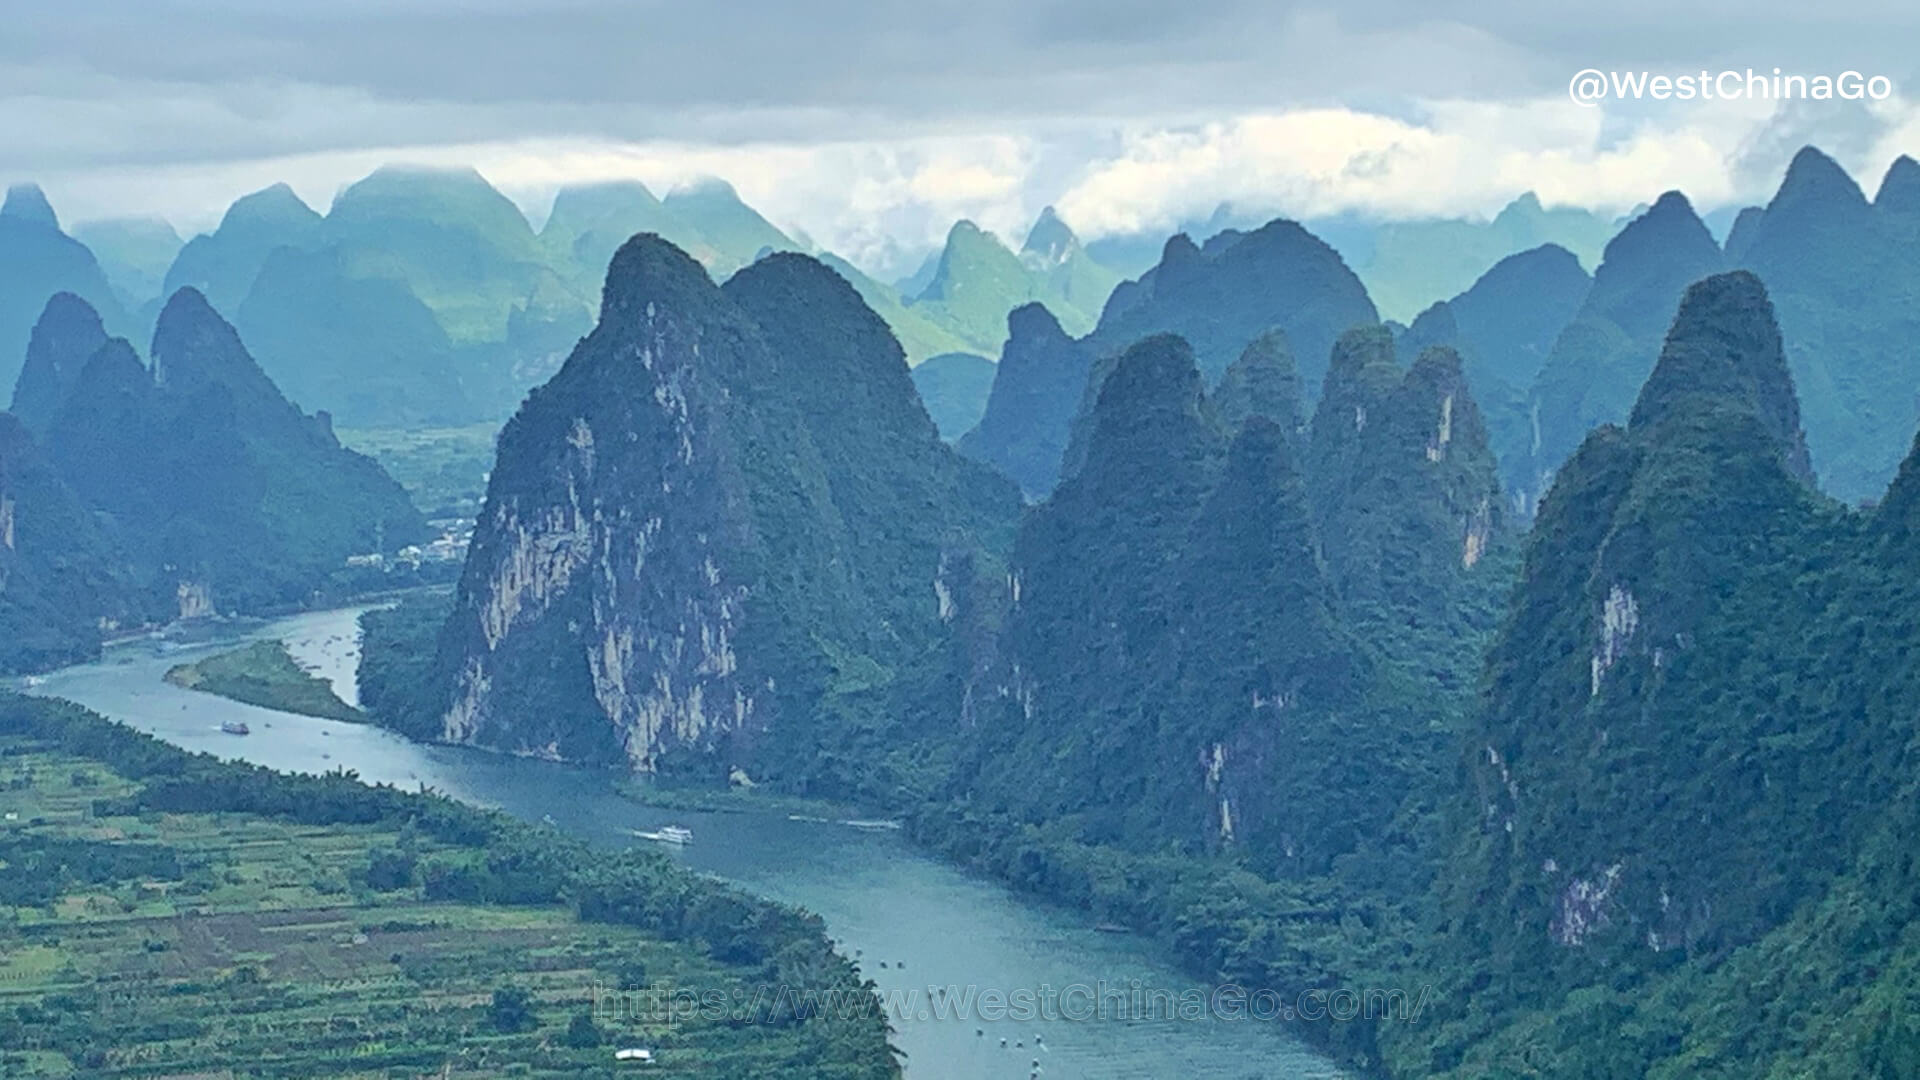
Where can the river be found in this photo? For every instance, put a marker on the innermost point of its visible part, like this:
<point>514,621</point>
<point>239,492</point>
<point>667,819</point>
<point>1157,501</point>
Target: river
<point>886,903</point>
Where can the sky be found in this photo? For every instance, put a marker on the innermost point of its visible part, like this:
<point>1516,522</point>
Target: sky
<point>871,127</point>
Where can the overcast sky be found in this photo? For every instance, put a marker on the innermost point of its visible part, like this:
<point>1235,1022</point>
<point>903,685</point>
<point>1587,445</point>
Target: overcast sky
<point>871,126</point>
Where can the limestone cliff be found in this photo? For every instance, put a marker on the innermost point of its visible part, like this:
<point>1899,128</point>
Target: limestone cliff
<point>726,514</point>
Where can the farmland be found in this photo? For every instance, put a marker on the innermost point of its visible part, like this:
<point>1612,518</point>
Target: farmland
<point>145,942</point>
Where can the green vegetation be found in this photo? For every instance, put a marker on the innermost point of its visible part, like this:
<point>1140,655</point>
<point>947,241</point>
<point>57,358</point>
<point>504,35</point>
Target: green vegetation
<point>222,493</point>
<point>60,577</point>
<point>787,518</point>
<point>1279,277</point>
<point>163,914</point>
<point>38,261</point>
<point>954,388</point>
<point>443,469</point>
<point>264,674</point>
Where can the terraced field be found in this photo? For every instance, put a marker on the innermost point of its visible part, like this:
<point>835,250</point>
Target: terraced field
<point>141,943</point>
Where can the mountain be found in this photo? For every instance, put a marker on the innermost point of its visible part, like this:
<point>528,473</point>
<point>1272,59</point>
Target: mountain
<point>1504,328</point>
<point>1406,265</point>
<point>1036,391</point>
<point>978,280</point>
<point>589,222</point>
<point>1262,383</point>
<point>225,496</point>
<point>723,535</point>
<point>954,388</point>
<point>730,234</point>
<point>1239,286</point>
<point>423,296</point>
<point>1409,265</point>
<point>1411,440</point>
<point>61,583</point>
<point>367,348</point>
<point>1841,273</point>
<point>1207,618</point>
<point>922,336</point>
<point>37,260</point>
<point>66,336</point>
<point>223,264</point>
<point>1279,277</point>
<point>134,253</point>
<point>465,250</point>
<point>1599,361</point>
<point>1069,278</point>
<point>1693,775</point>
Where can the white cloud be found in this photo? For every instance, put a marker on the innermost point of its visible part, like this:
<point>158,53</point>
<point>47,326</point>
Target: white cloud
<point>1457,158</point>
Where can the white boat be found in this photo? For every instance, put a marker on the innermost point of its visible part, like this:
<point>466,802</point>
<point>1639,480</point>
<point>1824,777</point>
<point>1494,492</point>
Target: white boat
<point>234,727</point>
<point>671,834</point>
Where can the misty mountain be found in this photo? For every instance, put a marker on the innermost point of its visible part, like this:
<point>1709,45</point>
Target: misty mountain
<point>222,495</point>
<point>134,253</point>
<point>37,260</point>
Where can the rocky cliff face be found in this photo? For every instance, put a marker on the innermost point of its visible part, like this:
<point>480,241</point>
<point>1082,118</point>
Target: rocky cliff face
<point>726,509</point>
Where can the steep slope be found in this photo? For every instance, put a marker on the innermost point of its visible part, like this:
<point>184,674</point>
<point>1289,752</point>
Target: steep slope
<point>954,388</point>
<point>1036,391</point>
<point>1409,265</point>
<point>1504,328</point>
<point>1262,383</point>
<point>64,338</point>
<point>1691,729</point>
<point>730,234</point>
<point>1068,278</point>
<point>364,348</point>
<point>1238,287</point>
<point>589,222</point>
<point>422,297</point>
<point>459,245</point>
<point>1096,601</point>
<point>61,583</point>
<point>702,550</point>
<point>1208,619</point>
<point>223,264</point>
<point>224,494</point>
<point>134,253</point>
<point>1842,276</point>
<point>37,260</point>
<point>1599,361</point>
<point>1279,277</point>
<point>977,282</point>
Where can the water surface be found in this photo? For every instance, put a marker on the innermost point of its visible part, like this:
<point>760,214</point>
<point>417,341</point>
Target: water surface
<point>928,923</point>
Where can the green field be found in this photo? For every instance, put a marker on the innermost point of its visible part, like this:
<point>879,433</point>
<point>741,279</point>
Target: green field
<point>264,673</point>
<point>444,469</point>
<point>141,941</point>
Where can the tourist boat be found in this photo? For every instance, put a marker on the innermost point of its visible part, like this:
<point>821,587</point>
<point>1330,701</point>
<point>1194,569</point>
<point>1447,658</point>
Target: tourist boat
<point>671,834</point>
<point>234,727</point>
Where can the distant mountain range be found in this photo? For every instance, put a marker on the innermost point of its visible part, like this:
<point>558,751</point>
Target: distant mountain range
<point>132,493</point>
<point>1406,265</point>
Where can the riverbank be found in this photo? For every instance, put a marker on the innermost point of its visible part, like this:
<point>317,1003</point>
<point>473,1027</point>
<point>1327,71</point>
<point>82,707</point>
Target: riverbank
<point>264,673</point>
<point>200,917</point>
<point>911,919</point>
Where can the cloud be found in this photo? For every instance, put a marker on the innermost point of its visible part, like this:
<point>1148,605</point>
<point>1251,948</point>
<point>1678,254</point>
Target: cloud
<point>871,126</point>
